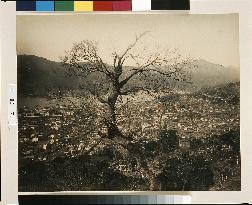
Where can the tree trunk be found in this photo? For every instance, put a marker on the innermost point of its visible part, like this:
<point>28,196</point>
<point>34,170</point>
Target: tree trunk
<point>112,127</point>
<point>113,130</point>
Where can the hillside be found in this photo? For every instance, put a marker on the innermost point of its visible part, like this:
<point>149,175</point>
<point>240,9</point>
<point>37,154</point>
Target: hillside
<point>186,134</point>
<point>37,76</point>
<point>209,74</point>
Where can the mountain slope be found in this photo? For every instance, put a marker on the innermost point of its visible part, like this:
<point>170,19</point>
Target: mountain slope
<point>37,76</point>
<point>208,74</point>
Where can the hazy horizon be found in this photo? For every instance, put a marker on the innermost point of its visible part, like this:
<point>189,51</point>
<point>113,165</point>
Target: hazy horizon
<point>210,37</point>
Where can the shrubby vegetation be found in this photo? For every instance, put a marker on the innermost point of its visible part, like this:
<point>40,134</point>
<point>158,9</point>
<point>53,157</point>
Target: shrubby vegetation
<point>211,164</point>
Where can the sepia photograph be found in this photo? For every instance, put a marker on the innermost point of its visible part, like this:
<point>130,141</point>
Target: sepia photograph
<point>128,102</point>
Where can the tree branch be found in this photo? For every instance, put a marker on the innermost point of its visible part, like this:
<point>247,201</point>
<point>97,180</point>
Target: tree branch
<point>123,57</point>
<point>138,70</point>
<point>84,56</point>
<point>98,97</point>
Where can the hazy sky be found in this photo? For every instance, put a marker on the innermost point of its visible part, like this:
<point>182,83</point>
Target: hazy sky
<point>214,38</point>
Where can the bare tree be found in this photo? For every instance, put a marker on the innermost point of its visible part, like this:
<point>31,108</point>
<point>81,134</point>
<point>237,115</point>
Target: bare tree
<point>83,59</point>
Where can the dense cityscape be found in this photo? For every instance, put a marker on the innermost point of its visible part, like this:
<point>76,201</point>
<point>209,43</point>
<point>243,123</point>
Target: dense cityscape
<point>71,131</point>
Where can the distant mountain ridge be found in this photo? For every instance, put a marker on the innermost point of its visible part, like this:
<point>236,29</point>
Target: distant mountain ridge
<point>37,76</point>
<point>209,74</point>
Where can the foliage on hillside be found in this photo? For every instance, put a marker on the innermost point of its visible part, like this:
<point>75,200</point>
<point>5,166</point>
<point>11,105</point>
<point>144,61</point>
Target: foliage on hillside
<point>178,142</point>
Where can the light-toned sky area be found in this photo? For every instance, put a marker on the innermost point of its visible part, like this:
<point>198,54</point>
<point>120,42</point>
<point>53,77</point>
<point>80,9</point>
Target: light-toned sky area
<point>214,38</point>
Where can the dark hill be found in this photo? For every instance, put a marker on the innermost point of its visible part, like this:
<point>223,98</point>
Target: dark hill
<point>37,76</point>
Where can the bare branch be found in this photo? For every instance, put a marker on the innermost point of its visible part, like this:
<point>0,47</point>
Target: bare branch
<point>124,56</point>
<point>169,64</point>
<point>98,97</point>
<point>83,57</point>
<point>138,70</point>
